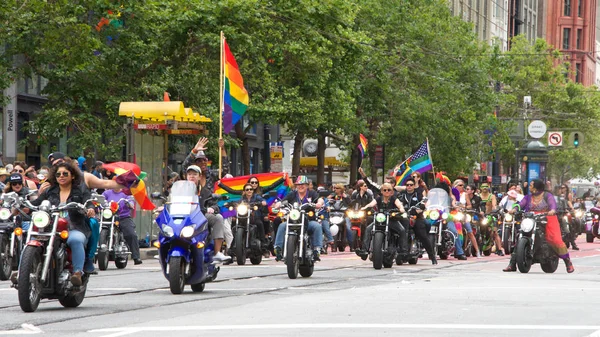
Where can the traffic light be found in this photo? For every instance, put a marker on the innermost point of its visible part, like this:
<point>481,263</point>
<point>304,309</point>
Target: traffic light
<point>576,139</point>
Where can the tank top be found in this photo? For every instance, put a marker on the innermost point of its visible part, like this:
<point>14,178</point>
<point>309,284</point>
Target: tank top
<point>542,206</point>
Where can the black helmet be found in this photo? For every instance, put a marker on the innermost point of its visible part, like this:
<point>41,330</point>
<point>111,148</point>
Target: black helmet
<point>15,178</point>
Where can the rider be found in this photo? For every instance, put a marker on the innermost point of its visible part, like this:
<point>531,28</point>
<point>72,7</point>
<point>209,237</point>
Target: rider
<point>215,223</point>
<point>250,197</point>
<point>14,183</point>
<point>302,196</point>
<point>126,224</point>
<point>385,201</point>
<point>541,201</point>
<point>488,205</point>
<point>65,180</point>
<point>362,195</point>
<point>340,194</point>
<point>565,198</point>
<point>409,198</point>
<point>466,196</point>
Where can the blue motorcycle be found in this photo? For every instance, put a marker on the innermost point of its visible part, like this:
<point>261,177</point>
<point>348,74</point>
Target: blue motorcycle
<point>185,248</point>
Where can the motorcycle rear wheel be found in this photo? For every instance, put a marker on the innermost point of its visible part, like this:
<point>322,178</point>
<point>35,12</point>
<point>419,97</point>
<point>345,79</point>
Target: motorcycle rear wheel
<point>30,273</point>
<point>121,262</point>
<point>103,253</point>
<point>240,246</point>
<point>550,266</point>
<point>355,240</point>
<point>198,287</point>
<point>176,275</point>
<point>307,271</point>
<point>522,253</point>
<point>413,260</point>
<point>378,250</point>
<point>5,258</point>
<point>399,260</point>
<point>433,239</point>
<point>256,260</point>
<point>291,257</point>
<point>589,238</point>
<point>73,301</point>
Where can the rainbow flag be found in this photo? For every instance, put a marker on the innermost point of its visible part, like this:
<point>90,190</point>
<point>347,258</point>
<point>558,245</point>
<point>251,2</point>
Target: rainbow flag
<point>419,161</point>
<point>235,96</point>
<point>232,187</point>
<point>128,174</point>
<point>362,146</point>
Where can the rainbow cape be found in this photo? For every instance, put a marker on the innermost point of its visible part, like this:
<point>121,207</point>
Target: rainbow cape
<point>235,96</point>
<point>128,174</point>
<point>232,187</point>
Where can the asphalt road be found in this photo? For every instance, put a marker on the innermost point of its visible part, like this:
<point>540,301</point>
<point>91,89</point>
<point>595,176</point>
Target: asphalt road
<point>344,297</point>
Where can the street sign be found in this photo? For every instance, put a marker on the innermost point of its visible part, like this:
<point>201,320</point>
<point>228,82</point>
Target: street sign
<point>379,156</point>
<point>555,138</point>
<point>537,129</point>
<point>150,126</point>
<point>183,132</point>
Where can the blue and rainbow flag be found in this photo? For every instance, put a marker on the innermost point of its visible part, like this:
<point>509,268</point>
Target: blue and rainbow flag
<point>419,161</point>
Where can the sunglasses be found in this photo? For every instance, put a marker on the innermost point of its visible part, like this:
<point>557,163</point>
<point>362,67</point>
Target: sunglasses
<point>337,188</point>
<point>416,177</point>
<point>461,185</point>
<point>410,184</point>
<point>386,190</point>
<point>64,174</point>
<point>16,183</point>
<point>17,171</point>
<point>254,182</point>
<point>563,187</point>
<point>249,189</point>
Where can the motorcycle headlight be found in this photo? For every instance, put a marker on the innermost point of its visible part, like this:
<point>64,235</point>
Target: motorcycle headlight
<point>295,214</point>
<point>351,214</point>
<point>578,213</point>
<point>40,219</point>
<point>434,215</point>
<point>445,216</point>
<point>508,217</point>
<point>595,216</point>
<point>566,218</point>
<point>361,214</point>
<point>4,213</point>
<point>168,230</point>
<point>527,225</point>
<point>107,213</point>
<point>187,231</point>
<point>380,217</point>
<point>242,209</point>
<point>459,216</point>
<point>336,220</point>
<point>485,221</point>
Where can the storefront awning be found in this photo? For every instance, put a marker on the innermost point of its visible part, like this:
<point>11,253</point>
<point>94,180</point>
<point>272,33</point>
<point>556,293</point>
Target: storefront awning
<point>329,161</point>
<point>160,112</point>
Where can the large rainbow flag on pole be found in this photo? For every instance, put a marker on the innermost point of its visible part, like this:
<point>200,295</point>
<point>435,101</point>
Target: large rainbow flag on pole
<point>233,188</point>
<point>419,161</point>
<point>235,96</point>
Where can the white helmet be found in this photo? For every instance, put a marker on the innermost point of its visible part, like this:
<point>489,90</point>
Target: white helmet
<point>334,230</point>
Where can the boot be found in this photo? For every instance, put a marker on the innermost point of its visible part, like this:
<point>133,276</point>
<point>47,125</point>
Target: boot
<point>512,265</point>
<point>433,260</point>
<point>569,265</point>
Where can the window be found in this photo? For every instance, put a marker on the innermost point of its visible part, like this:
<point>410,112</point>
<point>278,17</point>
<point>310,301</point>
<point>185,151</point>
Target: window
<point>578,72</point>
<point>567,11</point>
<point>566,33</point>
<point>579,38</point>
<point>579,5</point>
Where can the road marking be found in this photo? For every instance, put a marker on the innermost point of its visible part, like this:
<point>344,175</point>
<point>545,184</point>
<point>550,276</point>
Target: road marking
<point>27,329</point>
<point>313,288</point>
<point>128,331</point>
<point>113,289</point>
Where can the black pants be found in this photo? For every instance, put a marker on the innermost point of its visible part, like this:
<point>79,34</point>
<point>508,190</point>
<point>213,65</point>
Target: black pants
<point>420,229</point>
<point>131,239</point>
<point>394,226</point>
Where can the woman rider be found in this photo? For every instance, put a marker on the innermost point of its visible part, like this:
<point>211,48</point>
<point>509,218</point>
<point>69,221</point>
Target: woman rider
<point>464,200</point>
<point>340,194</point>
<point>567,199</point>
<point>386,201</point>
<point>21,168</point>
<point>488,205</point>
<point>65,180</point>
<point>249,197</point>
<point>540,201</point>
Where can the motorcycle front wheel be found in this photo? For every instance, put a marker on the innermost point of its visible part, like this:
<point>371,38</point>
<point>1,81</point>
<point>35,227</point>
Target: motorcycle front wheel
<point>506,243</point>
<point>549,266</point>
<point>30,274</point>
<point>291,257</point>
<point>5,258</point>
<point>522,253</point>
<point>378,250</point>
<point>103,252</point>
<point>240,246</point>
<point>176,275</point>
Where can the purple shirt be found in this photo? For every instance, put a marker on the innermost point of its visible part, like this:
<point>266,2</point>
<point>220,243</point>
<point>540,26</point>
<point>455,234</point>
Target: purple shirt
<point>526,202</point>
<point>124,209</point>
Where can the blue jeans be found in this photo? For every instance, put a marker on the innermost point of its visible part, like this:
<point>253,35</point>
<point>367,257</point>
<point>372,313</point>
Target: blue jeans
<point>468,227</point>
<point>92,245</point>
<point>349,231</point>
<point>458,242</point>
<point>76,242</point>
<point>314,230</point>
<point>326,230</point>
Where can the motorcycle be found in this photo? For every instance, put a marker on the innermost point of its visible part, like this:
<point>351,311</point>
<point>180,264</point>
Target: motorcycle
<point>532,246</point>
<point>337,223</point>
<point>297,250</point>
<point>111,245</point>
<point>510,229</point>
<point>246,241</point>
<point>185,248</point>
<point>384,245</point>
<point>437,213</point>
<point>12,229</point>
<point>486,229</point>
<point>45,270</point>
<point>415,248</point>
<point>358,224</point>
<point>592,226</point>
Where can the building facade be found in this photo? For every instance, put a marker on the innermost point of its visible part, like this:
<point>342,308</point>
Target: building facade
<point>524,18</point>
<point>571,28</point>
<point>489,17</point>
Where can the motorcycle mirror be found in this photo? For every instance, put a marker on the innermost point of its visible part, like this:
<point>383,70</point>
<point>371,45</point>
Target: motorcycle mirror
<point>285,203</point>
<point>155,195</point>
<point>424,199</point>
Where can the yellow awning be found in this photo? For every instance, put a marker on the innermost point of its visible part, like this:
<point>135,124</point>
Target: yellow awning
<point>312,162</point>
<point>160,112</point>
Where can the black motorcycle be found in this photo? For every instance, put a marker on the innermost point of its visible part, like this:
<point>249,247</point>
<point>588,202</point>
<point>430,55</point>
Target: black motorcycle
<point>415,248</point>
<point>532,246</point>
<point>246,240</point>
<point>297,250</point>
<point>384,245</point>
<point>12,233</point>
<point>510,231</point>
<point>112,245</point>
<point>337,218</point>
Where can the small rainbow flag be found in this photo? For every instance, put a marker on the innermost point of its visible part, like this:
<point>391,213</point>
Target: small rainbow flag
<point>127,175</point>
<point>232,187</point>
<point>235,96</point>
<point>362,146</point>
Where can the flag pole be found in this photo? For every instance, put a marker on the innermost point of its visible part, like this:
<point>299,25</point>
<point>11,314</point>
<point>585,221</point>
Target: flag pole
<point>221,73</point>
<point>431,158</point>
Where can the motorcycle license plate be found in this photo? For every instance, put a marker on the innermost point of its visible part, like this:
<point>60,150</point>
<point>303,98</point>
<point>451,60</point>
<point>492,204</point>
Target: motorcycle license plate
<point>433,230</point>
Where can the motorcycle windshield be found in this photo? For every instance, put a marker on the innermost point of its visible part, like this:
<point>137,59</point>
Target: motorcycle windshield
<point>183,198</point>
<point>437,198</point>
